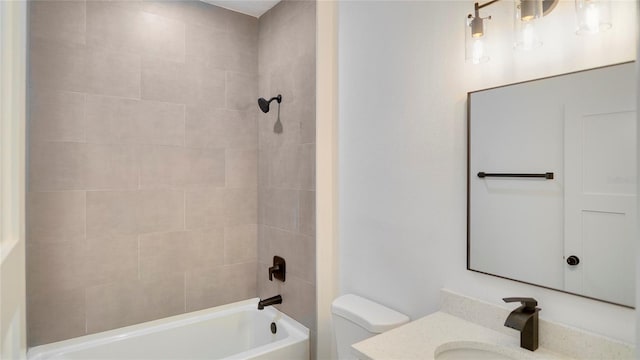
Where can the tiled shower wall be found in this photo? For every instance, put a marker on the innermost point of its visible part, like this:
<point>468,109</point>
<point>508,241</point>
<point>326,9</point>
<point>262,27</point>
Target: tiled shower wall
<point>143,163</point>
<point>286,185</point>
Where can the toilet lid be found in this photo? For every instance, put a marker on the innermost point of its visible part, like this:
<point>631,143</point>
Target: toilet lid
<point>372,316</point>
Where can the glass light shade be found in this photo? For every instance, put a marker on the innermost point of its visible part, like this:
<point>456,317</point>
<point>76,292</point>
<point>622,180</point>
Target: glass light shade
<point>594,16</point>
<point>476,51</point>
<point>526,15</point>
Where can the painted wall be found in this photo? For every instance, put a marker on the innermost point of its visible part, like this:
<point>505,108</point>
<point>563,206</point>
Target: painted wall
<point>13,66</point>
<point>286,186</point>
<point>403,84</point>
<point>143,163</point>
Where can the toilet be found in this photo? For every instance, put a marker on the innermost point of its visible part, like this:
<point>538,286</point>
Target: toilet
<point>356,318</point>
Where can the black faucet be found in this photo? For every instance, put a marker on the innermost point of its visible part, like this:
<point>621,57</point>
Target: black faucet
<point>525,320</point>
<point>270,301</point>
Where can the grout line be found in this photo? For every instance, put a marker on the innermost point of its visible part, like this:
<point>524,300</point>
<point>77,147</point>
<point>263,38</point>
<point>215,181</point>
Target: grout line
<point>86,320</point>
<point>184,210</point>
<point>185,291</point>
<point>139,272</point>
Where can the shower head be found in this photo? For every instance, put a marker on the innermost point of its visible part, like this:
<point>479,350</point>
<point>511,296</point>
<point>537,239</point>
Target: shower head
<point>264,104</point>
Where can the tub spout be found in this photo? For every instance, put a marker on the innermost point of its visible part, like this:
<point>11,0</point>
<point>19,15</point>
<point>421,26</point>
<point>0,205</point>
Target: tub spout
<point>269,301</point>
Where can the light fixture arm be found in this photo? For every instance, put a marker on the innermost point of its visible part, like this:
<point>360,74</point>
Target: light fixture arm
<point>477,6</point>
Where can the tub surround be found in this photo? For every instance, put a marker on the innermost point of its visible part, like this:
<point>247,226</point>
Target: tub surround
<point>470,323</point>
<point>143,161</point>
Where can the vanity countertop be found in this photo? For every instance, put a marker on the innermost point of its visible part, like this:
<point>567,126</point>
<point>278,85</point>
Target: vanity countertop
<point>424,338</point>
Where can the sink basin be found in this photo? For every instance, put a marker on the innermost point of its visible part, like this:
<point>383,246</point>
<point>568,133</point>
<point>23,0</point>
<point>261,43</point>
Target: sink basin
<point>468,350</point>
<point>471,354</point>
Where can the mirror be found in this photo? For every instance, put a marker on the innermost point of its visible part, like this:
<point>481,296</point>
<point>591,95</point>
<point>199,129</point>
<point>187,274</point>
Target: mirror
<point>552,182</point>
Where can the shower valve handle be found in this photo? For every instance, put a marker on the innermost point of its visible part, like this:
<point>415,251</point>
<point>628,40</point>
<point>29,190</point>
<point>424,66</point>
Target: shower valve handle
<point>272,270</point>
<point>278,270</point>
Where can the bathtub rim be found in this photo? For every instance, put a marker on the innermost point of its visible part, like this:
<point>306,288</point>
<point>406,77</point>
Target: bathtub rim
<point>296,331</point>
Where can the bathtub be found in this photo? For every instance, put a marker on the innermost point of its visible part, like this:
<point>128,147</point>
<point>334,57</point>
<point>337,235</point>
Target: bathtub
<point>233,331</point>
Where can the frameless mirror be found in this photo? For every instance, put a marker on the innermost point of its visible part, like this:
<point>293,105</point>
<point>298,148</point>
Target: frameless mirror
<point>552,182</point>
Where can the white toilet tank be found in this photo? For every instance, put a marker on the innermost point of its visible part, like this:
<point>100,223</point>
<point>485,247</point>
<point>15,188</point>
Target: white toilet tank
<point>356,318</point>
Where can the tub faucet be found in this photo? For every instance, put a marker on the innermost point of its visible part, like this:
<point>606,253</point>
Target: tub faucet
<point>269,301</point>
<point>525,320</point>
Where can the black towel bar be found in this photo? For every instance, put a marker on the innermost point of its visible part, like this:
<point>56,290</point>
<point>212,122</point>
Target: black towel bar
<point>548,176</point>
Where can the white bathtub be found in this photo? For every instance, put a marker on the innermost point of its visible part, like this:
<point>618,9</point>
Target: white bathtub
<point>233,331</point>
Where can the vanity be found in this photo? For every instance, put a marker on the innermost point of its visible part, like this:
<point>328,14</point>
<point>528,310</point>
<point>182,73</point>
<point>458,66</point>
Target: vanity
<point>468,328</point>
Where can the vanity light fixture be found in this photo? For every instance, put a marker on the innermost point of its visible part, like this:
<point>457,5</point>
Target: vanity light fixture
<point>593,16</point>
<point>526,15</point>
<point>475,36</point>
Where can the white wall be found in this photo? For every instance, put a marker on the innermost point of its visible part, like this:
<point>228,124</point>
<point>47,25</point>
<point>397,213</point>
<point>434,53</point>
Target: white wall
<point>13,25</point>
<point>403,84</point>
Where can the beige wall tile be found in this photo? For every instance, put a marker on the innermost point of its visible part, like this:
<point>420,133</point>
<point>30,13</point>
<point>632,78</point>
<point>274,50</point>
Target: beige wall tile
<point>114,305</point>
<point>162,166</point>
<point>161,210</point>
<point>298,301</point>
<point>170,9</point>
<point>201,40</point>
<point>57,216</point>
<point>221,285</point>
<point>58,20</point>
<point>59,66</point>
<point>241,91</point>
<point>235,52</point>
<point>113,120</point>
<point>55,316</point>
<point>125,27</point>
<point>57,116</point>
<point>134,212</point>
<point>163,37</point>
<point>307,217</point>
<point>240,244</point>
<point>56,267</point>
<point>57,166</point>
<point>177,252</point>
<point>307,115</point>
<point>205,167</point>
<point>112,258</point>
<point>204,208</point>
<point>112,26</point>
<point>111,213</point>
<point>284,163</point>
<point>168,166</point>
<point>241,206</point>
<point>279,208</point>
<point>242,168</point>
<point>110,167</point>
<point>307,175</point>
<point>184,83</point>
<point>210,208</point>
<point>113,73</point>
<point>210,85</point>
<point>167,81</point>
<point>216,128</point>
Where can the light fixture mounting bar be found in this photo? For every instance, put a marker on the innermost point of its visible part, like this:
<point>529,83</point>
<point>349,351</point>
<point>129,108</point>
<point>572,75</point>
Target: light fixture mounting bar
<point>478,6</point>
